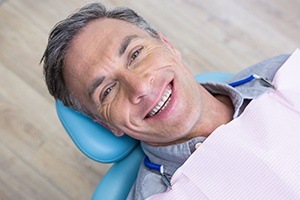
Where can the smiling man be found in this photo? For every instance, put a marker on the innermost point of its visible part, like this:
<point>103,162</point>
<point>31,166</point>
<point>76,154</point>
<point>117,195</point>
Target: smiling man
<point>112,66</point>
<point>136,84</point>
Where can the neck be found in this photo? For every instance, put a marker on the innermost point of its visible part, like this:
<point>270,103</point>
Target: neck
<point>217,110</point>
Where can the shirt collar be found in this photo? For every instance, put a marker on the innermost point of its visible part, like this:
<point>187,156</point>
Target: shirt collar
<point>173,156</point>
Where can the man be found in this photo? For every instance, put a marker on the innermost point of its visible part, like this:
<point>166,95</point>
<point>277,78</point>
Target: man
<point>112,66</point>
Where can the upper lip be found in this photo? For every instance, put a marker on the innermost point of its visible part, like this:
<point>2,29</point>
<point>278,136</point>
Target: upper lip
<point>163,98</point>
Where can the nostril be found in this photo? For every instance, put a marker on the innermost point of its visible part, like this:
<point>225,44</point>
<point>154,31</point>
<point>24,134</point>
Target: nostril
<point>139,87</point>
<point>151,80</point>
<point>137,99</point>
<point>137,92</point>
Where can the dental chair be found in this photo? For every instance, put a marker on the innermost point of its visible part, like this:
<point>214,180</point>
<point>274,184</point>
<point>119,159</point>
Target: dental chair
<point>101,145</point>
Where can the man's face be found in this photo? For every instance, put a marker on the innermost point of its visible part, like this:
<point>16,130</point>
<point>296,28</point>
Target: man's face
<point>133,82</point>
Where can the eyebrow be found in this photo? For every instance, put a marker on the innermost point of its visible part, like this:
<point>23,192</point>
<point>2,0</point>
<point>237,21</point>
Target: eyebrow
<point>98,81</point>
<point>92,88</point>
<point>125,43</point>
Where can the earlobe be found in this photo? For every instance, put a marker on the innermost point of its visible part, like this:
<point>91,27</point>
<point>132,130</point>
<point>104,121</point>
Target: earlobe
<point>114,130</point>
<point>117,132</point>
<point>169,45</point>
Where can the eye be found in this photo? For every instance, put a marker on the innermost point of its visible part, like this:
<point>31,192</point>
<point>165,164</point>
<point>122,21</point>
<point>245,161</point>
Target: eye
<point>107,91</point>
<point>135,54</point>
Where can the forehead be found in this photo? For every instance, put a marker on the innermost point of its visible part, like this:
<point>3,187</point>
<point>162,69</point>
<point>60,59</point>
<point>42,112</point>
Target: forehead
<point>106,31</point>
<point>102,36</point>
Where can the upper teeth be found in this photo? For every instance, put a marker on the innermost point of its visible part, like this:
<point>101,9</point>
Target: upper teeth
<point>162,103</point>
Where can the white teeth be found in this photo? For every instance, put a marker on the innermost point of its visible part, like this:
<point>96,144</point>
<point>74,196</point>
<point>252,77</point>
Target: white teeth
<point>162,103</point>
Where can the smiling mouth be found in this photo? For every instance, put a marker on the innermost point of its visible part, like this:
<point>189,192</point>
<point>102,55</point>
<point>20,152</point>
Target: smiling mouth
<point>162,104</point>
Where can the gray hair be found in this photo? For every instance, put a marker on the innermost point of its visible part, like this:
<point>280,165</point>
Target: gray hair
<point>60,38</point>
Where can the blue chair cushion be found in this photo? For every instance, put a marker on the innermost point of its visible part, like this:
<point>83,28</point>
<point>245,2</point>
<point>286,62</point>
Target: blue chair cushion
<point>213,77</point>
<point>92,139</point>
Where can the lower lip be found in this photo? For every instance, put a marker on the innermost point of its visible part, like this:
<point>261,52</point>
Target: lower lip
<point>167,111</point>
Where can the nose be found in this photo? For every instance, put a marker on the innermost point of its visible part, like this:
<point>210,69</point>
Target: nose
<point>137,86</point>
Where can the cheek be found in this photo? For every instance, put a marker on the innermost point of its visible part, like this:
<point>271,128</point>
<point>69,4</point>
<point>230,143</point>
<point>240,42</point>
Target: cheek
<point>160,54</point>
<point>115,112</point>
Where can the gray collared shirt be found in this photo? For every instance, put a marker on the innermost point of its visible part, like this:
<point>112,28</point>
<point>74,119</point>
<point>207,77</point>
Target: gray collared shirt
<point>149,182</point>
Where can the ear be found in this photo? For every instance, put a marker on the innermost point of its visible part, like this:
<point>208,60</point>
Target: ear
<point>117,132</point>
<point>169,45</point>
